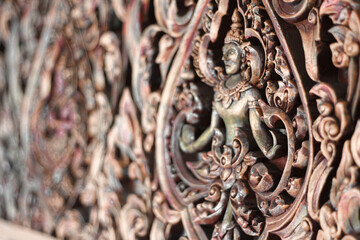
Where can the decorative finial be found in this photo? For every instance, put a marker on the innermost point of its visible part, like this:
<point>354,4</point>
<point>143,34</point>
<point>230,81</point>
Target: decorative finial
<point>235,34</point>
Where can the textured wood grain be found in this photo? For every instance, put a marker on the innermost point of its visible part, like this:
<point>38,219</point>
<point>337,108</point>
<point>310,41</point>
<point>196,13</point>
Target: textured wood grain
<point>180,119</point>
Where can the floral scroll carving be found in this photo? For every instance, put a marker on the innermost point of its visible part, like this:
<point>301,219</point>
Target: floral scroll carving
<point>207,119</point>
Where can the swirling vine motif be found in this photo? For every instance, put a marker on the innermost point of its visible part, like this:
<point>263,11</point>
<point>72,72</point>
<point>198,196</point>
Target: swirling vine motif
<point>168,119</point>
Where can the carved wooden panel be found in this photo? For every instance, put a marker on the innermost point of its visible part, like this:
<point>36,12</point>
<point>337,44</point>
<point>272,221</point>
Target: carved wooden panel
<point>169,119</point>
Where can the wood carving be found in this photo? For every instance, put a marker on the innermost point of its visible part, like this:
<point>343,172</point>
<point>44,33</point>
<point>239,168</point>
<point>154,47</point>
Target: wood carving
<point>164,119</point>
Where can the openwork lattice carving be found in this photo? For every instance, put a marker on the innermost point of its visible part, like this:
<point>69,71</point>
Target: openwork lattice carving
<point>207,119</point>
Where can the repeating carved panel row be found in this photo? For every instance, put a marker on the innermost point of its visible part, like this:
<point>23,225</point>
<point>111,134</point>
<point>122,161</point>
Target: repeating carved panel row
<point>165,119</point>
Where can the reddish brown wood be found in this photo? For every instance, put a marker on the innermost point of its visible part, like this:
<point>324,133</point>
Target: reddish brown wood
<point>207,119</point>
